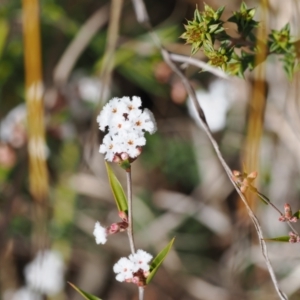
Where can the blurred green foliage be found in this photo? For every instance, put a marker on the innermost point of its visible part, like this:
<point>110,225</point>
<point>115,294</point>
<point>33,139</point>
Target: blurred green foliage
<point>175,158</point>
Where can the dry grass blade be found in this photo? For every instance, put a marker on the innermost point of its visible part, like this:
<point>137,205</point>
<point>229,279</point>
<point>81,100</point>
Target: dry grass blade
<point>80,42</point>
<point>38,172</point>
<point>38,176</point>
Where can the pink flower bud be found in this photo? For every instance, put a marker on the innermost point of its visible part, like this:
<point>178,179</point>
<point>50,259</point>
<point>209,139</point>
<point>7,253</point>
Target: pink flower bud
<point>116,159</point>
<point>140,149</point>
<point>146,274</point>
<point>136,280</point>
<point>124,155</point>
<point>287,211</point>
<point>113,228</point>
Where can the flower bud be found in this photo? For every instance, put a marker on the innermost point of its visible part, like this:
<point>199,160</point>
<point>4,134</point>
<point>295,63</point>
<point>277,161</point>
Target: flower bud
<point>116,159</point>
<point>287,211</point>
<point>113,228</point>
<point>124,156</point>
<point>123,216</point>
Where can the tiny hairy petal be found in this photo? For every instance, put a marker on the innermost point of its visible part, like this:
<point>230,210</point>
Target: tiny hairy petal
<point>252,175</point>
<point>236,173</point>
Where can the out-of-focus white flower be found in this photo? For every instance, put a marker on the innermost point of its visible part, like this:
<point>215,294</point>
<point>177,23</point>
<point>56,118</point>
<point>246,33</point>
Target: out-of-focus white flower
<point>124,269</point>
<point>22,293</point>
<point>12,127</point>
<point>45,274</point>
<point>89,89</point>
<point>215,103</point>
<point>100,233</point>
<point>141,260</point>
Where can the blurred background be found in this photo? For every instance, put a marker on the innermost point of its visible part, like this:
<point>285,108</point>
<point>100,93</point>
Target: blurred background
<point>59,64</point>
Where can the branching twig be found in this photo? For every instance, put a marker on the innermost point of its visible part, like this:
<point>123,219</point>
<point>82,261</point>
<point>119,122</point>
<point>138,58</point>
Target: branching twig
<point>198,63</point>
<point>166,56</point>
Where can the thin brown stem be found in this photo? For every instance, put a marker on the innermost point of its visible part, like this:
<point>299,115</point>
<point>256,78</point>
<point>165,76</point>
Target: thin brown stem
<point>143,19</point>
<point>141,293</point>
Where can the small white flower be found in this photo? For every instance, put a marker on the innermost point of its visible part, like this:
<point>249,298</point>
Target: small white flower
<point>112,109</point>
<point>90,89</point>
<point>45,273</point>
<point>124,269</point>
<point>100,233</point>
<point>131,142</point>
<point>145,121</point>
<point>13,127</point>
<point>133,105</point>
<point>141,260</point>
<point>119,126</point>
<point>111,145</point>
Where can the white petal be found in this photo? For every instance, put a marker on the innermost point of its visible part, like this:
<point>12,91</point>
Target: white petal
<point>100,233</point>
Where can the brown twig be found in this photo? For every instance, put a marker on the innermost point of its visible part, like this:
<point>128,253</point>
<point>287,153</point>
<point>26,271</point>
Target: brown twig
<point>166,56</point>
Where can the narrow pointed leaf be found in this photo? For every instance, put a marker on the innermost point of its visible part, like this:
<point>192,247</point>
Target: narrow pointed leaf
<point>279,239</point>
<point>84,294</point>
<point>117,189</point>
<point>263,198</point>
<point>157,261</point>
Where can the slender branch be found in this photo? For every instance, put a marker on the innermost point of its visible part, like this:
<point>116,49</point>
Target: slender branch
<point>251,214</point>
<point>141,293</point>
<point>129,199</point>
<point>70,56</point>
<point>292,227</point>
<point>166,56</point>
<point>198,63</point>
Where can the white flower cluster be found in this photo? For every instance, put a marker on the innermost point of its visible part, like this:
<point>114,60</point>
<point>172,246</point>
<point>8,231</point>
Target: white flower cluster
<point>126,268</point>
<point>126,124</point>
<point>100,233</point>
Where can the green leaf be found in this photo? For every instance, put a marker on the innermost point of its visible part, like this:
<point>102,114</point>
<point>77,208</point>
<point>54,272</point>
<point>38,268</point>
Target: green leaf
<point>84,294</point>
<point>284,239</point>
<point>117,189</point>
<point>157,261</point>
<point>297,214</point>
<point>263,198</point>
<point>4,28</point>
